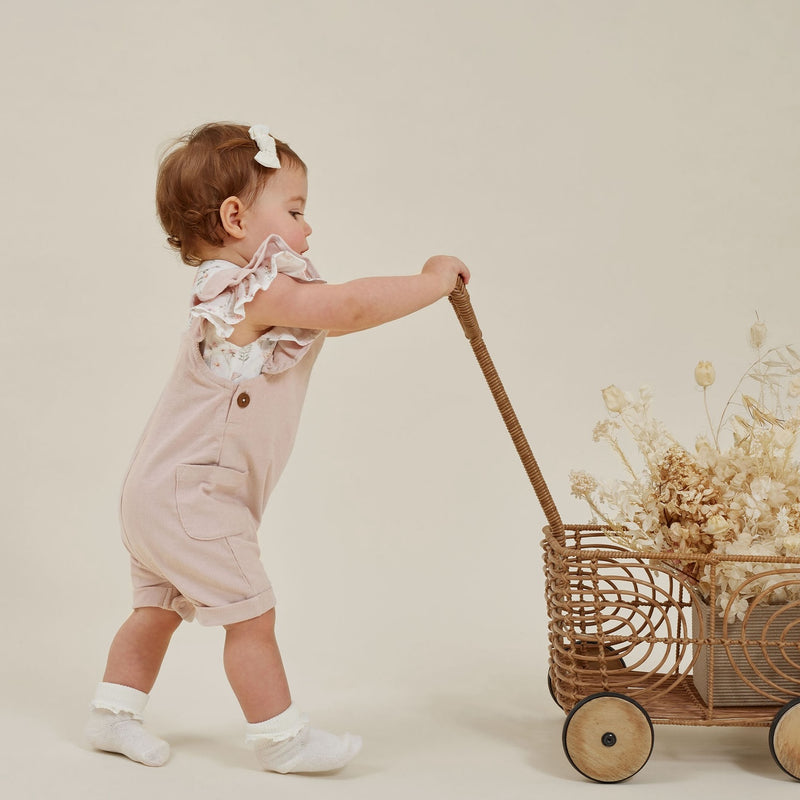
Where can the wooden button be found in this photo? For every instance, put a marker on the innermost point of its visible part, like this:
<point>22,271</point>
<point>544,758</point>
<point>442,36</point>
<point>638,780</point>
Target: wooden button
<point>243,400</point>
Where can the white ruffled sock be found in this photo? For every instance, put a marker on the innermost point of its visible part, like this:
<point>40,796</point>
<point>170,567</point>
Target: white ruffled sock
<point>115,725</point>
<point>287,743</point>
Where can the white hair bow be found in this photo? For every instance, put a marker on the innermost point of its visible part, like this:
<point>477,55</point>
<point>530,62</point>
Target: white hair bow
<point>267,155</point>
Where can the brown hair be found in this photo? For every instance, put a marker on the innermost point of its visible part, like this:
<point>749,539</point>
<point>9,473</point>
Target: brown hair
<point>198,172</point>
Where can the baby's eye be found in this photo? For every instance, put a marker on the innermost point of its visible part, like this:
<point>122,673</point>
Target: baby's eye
<point>296,214</point>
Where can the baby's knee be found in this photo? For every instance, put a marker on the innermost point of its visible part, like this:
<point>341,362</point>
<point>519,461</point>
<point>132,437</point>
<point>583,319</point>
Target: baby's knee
<point>264,624</point>
<point>157,618</point>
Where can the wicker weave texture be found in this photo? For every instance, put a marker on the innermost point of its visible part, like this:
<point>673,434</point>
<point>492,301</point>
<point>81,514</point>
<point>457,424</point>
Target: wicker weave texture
<point>634,623</point>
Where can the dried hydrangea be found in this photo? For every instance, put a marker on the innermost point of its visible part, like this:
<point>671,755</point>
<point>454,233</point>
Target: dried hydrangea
<point>741,500</point>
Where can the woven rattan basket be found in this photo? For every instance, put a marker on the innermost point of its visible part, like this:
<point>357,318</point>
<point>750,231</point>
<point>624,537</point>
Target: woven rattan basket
<point>632,642</point>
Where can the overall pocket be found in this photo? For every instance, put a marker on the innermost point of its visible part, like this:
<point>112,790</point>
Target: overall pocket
<point>211,501</point>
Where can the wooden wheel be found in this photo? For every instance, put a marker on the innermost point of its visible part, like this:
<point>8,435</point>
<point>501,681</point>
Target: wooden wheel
<point>608,737</point>
<point>784,738</point>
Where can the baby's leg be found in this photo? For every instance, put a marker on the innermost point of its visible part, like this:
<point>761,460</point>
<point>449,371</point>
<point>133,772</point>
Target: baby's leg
<point>283,740</point>
<point>254,668</point>
<point>138,649</point>
<point>134,661</point>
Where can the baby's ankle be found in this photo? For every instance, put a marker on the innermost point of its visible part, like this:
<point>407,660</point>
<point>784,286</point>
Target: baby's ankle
<point>115,725</point>
<point>287,743</point>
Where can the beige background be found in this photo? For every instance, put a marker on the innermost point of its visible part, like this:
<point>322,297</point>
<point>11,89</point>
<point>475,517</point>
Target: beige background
<point>622,177</point>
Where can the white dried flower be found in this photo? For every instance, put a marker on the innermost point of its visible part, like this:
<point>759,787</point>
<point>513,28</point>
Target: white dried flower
<point>717,525</point>
<point>738,501</point>
<point>759,487</point>
<point>646,396</point>
<point>738,608</point>
<point>582,484</point>
<point>605,430</point>
<point>792,544</point>
<point>704,373</point>
<point>758,334</point>
<point>783,439</point>
<point>615,399</point>
<point>783,525</point>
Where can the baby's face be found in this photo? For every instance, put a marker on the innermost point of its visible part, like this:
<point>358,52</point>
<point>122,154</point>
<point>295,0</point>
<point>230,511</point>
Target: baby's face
<point>280,208</point>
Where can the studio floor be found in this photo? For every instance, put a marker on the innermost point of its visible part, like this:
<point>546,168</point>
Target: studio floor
<point>489,731</point>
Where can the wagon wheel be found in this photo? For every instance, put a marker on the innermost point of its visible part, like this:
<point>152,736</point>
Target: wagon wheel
<point>608,737</point>
<point>784,738</point>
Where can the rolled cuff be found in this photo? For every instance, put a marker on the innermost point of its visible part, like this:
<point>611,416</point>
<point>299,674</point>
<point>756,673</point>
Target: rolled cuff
<point>120,699</point>
<point>172,600</point>
<point>236,612</point>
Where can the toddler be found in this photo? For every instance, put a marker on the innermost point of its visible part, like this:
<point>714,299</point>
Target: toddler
<point>232,201</point>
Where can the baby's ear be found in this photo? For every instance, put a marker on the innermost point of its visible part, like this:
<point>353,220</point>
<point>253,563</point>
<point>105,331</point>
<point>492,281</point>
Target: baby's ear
<point>230,215</point>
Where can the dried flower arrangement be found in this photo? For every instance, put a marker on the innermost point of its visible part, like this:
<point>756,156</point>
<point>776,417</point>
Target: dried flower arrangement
<point>743,499</point>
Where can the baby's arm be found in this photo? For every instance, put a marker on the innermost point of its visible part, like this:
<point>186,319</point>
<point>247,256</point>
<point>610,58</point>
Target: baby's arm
<point>353,306</point>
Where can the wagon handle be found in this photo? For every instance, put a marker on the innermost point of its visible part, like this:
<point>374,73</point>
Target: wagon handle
<point>459,299</point>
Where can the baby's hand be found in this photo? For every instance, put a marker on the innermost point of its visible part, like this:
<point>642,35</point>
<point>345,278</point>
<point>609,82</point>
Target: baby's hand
<point>448,268</point>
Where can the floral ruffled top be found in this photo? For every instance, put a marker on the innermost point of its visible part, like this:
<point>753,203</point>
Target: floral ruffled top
<point>220,292</point>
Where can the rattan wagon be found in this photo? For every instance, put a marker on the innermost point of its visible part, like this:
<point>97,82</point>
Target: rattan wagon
<point>633,642</point>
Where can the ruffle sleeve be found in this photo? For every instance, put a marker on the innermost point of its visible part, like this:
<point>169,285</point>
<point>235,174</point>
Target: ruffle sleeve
<point>221,291</point>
